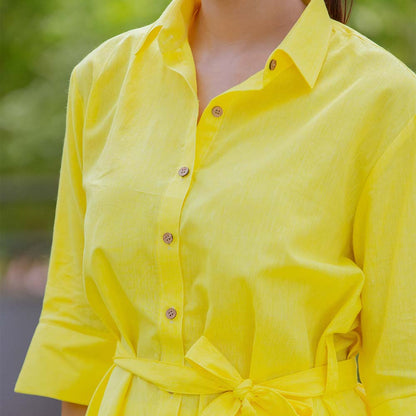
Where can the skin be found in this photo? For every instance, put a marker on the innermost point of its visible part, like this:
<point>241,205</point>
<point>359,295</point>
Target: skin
<point>229,44</point>
<point>73,409</point>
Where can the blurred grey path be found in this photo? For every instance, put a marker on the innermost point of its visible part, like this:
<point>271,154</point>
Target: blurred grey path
<point>18,319</point>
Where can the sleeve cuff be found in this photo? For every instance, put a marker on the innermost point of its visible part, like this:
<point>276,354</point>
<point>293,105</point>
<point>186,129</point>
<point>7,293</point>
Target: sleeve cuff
<point>64,364</point>
<point>403,406</point>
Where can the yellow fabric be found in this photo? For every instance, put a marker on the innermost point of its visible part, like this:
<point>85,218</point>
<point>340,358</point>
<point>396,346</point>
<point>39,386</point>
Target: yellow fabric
<point>293,233</point>
<point>213,373</point>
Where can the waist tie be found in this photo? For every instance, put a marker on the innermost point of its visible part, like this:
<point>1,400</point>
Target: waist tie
<point>211,372</point>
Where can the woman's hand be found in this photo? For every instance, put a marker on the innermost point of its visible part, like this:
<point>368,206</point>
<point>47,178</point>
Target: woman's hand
<point>73,409</point>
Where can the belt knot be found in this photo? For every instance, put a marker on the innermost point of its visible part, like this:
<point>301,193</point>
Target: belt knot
<point>244,389</point>
<point>211,372</point>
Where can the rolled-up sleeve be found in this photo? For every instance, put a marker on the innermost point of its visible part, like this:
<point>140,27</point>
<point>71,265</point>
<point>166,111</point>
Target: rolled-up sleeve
<point>71,349</point>
<point>384,242</point>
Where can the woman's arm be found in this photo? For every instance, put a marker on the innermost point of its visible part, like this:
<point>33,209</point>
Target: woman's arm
<point>73,409</point>
<point>384,242</point>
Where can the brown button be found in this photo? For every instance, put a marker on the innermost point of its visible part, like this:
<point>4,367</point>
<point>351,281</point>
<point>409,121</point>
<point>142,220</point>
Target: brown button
<point>216,111</point>
<point>183,171</point>
<point>272,64</point>
<point>170,313</point>
<point>167,238</point>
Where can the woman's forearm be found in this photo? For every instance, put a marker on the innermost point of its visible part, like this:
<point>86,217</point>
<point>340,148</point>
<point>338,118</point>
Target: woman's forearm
<point>73,409</point>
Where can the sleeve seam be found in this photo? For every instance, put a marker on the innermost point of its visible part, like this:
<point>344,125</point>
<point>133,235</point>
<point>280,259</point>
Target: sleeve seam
<point>376,166</point>
<point>77,88</point>
<point>374,169</point>
<point>381,161</point>
<point>78,92</point>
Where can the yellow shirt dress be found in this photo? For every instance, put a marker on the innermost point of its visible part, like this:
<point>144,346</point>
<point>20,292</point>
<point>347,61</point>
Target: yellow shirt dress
<point>237,265</point>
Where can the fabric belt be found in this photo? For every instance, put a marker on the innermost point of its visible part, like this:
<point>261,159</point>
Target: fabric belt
<point>211,372</point>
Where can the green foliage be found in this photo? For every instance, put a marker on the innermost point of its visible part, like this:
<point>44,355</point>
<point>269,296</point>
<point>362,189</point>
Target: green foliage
<point>42,40</point>
<point>390,23</point>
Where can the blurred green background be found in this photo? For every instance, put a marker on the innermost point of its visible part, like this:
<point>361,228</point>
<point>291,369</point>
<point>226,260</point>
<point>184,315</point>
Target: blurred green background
<point>41,42</point>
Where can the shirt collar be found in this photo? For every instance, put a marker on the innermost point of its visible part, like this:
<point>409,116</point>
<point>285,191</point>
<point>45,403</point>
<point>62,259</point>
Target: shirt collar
<point>305,44</point>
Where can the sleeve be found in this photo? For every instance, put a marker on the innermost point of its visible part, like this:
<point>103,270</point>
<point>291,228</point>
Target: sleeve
<point>71,349</point>
<point>384,244</point>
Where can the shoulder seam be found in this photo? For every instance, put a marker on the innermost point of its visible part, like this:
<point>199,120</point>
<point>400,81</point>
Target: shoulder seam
<point>115,40</point>
<point>376,165</point>
<point>364,39</point>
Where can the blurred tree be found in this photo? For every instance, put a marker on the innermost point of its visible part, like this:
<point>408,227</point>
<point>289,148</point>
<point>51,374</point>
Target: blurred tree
<point>390,23</point>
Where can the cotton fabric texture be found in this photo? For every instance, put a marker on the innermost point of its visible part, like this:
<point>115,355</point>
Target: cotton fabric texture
<point>292,236</point>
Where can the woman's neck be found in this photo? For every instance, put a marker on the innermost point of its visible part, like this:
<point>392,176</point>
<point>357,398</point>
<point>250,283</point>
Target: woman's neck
<point>242,24</point>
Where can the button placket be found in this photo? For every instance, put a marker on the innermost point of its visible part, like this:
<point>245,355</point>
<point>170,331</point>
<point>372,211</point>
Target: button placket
<point>209,126</point>
<point>196,139</point>
<point>168,260</point>
<point>171,202</point>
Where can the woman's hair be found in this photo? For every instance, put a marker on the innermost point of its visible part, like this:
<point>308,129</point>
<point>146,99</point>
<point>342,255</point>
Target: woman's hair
<point>338,11</point>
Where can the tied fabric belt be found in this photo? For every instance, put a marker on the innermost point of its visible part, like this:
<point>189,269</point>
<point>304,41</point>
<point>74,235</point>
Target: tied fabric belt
<point>211,372</point>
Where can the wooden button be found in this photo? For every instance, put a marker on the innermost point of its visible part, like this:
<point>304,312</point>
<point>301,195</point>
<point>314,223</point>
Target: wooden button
<point>272,64</point>
<point>167,238</point>
<point>217,111</point>
<point>170,313</point>
<point>183,171</point>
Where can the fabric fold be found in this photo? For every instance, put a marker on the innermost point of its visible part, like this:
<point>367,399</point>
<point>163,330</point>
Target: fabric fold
<point>212,372</point>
